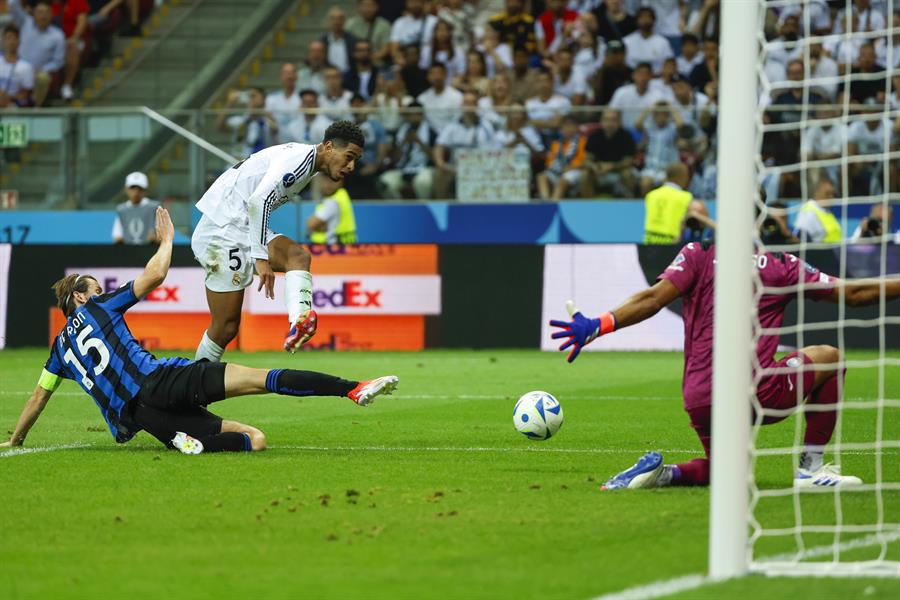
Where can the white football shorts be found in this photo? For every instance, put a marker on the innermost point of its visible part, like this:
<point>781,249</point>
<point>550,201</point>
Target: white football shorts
<point>224,253</point>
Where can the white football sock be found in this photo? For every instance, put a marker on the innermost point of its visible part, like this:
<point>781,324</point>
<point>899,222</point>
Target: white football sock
<point>812,458</point>
<point>297,293</point>
<point>209,350</point>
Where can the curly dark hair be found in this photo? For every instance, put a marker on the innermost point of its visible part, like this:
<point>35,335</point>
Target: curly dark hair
<point>342,133</point>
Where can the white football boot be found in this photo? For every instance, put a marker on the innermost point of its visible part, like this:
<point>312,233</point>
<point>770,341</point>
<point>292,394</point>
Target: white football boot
<point>828,475</point>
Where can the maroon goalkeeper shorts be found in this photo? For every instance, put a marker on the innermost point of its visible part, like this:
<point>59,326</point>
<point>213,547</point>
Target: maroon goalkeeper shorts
<point>777,391</point>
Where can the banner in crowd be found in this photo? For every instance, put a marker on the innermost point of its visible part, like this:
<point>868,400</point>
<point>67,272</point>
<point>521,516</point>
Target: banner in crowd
<point>492,175</point>
<point>599,278</point>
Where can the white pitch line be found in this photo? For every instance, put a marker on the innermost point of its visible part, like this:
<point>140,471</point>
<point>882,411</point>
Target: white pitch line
<point>658,589</point>
<point>471,449</point>
<point>38,450</point>
<point>667,587</point>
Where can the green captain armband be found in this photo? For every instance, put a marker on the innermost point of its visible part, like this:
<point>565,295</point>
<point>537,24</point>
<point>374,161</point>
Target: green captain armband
<point>49,381</point>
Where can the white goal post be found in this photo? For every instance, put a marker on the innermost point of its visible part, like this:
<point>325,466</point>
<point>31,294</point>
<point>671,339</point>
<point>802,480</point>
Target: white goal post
<point>758,524</point>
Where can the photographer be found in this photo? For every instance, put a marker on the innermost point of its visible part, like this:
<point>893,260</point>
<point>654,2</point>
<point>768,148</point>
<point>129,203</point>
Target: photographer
<point>874,226</point>
<point>697,225</point>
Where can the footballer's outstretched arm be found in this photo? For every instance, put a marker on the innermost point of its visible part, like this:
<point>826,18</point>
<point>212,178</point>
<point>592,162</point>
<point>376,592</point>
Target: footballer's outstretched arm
<point>581,331</point>
<point>30,413</point>
<point>864,292</point>
<point>158,266</point>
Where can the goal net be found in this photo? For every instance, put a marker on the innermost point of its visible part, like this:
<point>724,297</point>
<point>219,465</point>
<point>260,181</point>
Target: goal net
<point>828,128</point>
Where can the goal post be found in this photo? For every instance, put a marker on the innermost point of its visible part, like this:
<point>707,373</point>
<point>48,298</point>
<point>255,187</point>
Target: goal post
<point>736,170</point>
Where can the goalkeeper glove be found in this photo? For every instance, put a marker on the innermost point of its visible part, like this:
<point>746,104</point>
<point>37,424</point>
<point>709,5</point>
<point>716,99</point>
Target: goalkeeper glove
<point>581,331</point>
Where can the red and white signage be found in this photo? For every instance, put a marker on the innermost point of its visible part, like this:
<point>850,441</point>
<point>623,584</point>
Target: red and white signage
<point>184,292</point>
<point>360,295</point>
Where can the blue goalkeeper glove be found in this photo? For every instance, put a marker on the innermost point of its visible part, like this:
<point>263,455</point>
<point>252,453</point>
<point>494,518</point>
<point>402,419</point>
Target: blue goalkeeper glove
<point>581,331</point>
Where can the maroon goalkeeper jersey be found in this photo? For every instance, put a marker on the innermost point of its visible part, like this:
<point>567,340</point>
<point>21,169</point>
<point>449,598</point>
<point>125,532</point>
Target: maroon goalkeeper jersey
<point>693,273</point>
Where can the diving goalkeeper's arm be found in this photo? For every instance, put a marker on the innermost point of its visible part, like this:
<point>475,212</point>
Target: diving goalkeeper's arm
<point>581,330</point>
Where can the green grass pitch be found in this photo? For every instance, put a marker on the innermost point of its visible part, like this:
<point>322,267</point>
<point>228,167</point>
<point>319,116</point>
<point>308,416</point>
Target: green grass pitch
<point>427,494</point>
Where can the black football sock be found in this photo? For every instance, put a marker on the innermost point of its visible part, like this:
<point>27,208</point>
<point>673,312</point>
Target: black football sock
<point>230,441</point>
<point>290,382</point>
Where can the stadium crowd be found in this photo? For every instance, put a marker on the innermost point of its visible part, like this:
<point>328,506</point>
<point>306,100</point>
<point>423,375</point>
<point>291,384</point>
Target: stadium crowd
<point>45,43</point>
<point>600,97</point>
<point>603,95</point>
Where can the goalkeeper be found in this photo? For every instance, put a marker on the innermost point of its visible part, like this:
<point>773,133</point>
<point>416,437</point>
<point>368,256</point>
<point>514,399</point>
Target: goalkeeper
<point>690,277</point>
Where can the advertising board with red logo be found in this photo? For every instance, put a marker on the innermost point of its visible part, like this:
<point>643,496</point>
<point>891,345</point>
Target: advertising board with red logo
<point>368,297</point>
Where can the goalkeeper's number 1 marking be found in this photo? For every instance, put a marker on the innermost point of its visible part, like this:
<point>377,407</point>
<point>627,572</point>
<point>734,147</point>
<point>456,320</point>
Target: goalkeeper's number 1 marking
<point>84,345</point>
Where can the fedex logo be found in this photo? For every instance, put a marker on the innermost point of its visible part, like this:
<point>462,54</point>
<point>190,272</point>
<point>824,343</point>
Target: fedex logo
<point>350,294</point>
<point>164,293</point>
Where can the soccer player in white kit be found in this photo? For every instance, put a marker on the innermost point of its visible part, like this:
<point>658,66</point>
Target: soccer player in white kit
<point>233,239</point>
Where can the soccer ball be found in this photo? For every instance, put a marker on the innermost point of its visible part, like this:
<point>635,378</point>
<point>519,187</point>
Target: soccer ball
<point>538,415</point>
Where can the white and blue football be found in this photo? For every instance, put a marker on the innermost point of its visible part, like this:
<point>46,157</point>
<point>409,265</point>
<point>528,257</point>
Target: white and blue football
<point>538,415</point>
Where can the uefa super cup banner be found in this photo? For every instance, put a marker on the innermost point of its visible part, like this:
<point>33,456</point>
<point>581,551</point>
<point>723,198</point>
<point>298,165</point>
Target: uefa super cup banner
<point>492,175</point>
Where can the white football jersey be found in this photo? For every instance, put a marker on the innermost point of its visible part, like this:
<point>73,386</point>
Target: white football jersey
<point>248,193</point>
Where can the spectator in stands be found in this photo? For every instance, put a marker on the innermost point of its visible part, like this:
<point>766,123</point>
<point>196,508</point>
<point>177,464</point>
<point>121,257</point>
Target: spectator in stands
<point>461,15</point>
<point>73,16</point>
<point>546,109</point>
<point>16,75</point>
<point>441,101</point>
<point>589,52</point>
<point>708,70</point>
<point>254,130</point>
<point>335,101</point>
<point>135,222</point>
<point>415,78</point>
<point>413,28</point>
<point>498,98</point>
<point>690,55</point>
<point>613,22</point>
<point>361,182</point>
<point>515,26</point>
<point>475,78</point>
<point>390,100</point>
<point>367,25</point>
<point>824,68</point>
<point>613,74</point>
<point>668,20</point>
<point>690,103</point>
<point>439,48</point>
<point>660,131</point>
<point>644,46</point>
<point>869,18</point>
<point>882,45</point>
<point>468,131</point>
<point>563,162</point>
<point>43,46</point>
<point>667,206</point>
<point>497,55</point>
<point>568,81</point>
<point>550,26</point>
<point>361,78</point>
<point>410,157</point>
<point>815,223</point>
<point>307,127</point>
<point>5,15</point>
<point>338,42</point>
<point>333,222</point>
<point>633,98</point>
<point>825,141</point>
<point>522,78</point>
<point>706,22</point>
<point>516,132</point>
<point>818,13</point>
<point>874,87</point>
<point>311,75</point>
<point>786,47</point>
<point>866,137</point>
<point>609,162</point>
<point>284,103</point>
